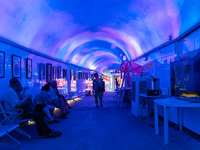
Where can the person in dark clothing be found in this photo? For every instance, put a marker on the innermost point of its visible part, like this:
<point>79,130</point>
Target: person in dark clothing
<point>117,84</point>
<point>42,99</point>
<point>12,101</point>
<point>98,89</point>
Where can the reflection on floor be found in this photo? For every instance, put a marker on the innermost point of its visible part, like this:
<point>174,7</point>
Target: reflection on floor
<point>107,127</point>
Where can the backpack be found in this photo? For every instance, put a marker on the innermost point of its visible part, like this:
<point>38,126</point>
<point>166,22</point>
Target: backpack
<point>100,87</point>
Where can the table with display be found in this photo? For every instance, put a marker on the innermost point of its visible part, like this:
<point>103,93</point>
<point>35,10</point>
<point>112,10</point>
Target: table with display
<point>146,99</point>
<point>172,102</point>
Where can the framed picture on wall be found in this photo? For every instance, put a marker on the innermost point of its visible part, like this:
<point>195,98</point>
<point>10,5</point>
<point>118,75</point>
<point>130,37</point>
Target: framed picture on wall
<point>54,72</point>
<point>92,76</point>
<point>49,72</point>
<point>74,75</point>
<point>2,64</point>
<point>16,66</point>
<point>64,73</point>
<point>59,72</point>
<point>86,76</point>
<point>71,74</point>
<point>41,71</point>
<point>80,75</point>
<point>76,72</point>
<point>28,68</point>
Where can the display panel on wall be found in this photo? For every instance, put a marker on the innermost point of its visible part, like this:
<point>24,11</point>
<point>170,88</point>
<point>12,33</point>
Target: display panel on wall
<point>28,68</point>
<point>49,72</point>
<point>2,64</point>
<point>185,76</point>
<point>64,73</point>
<point>59,72</point>
<point>42,71</point>
<point>54,72</point>
<point>16,66</point>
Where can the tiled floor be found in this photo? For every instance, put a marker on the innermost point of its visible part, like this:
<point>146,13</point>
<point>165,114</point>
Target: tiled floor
<point>103,128</point>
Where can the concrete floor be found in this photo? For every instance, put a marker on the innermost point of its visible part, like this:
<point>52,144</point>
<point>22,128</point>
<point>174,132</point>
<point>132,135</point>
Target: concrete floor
<point>104,128</point>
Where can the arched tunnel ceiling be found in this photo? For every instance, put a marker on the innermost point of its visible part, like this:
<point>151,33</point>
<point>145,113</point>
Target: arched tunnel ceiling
<point>95,34</point>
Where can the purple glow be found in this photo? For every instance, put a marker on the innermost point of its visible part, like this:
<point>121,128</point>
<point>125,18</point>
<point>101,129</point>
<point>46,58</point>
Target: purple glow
<point>58,28</point>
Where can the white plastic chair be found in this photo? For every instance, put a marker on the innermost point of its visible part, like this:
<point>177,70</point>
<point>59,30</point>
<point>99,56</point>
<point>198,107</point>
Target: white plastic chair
<point>11,122</point>
<point>5,129</point>
<point>15,117</point>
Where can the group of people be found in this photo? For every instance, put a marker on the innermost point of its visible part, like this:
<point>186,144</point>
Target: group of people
<point>43,105</point>
<point>50,97</point>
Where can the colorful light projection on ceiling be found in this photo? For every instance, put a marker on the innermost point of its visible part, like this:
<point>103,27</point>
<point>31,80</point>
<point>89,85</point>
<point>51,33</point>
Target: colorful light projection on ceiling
<point>95,34</point>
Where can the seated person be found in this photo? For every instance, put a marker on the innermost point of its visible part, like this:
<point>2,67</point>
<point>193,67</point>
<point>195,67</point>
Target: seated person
<point>42,100</point>
<point>12,101</point>
<point>53,85</point>
<point>56,100</point>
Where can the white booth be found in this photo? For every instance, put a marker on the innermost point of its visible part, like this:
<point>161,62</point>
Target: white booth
<point>139,86</point>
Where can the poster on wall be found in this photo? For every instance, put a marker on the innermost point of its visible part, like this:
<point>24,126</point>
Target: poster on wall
<point>2,64</point>
<point>54,72</point>
<point>28,68</point>
<point>49,72</point>
<point>59,72</point>
<point>41,71</point>
<point>16,66</point>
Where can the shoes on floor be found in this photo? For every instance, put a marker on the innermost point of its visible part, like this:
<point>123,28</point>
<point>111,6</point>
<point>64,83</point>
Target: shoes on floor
<point>101,104</point>
<point>97,106</point>
<point>53,134</point>
<point>65,114</point>
<point>53,121</point>
<point>63,117</point>
<point>69,107</point>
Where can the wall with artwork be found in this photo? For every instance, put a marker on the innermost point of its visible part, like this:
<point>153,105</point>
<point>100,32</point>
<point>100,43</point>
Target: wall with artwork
<point>32,69</point>
<point>79,80</point>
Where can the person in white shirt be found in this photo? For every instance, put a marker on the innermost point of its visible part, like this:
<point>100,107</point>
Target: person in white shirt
<point>12,101</point>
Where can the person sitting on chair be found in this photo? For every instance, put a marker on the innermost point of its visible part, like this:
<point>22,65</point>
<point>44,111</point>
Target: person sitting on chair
<point>43,99</point>
<point>12,101</point>
<point>57,101</point>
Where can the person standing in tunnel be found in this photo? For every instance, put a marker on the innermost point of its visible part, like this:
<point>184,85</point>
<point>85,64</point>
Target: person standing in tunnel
<point>117,84</point>
<point>98,89</point>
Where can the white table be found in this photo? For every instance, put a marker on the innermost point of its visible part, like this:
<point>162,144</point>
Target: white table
<point>144,98</point>
<point>171,102</point>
